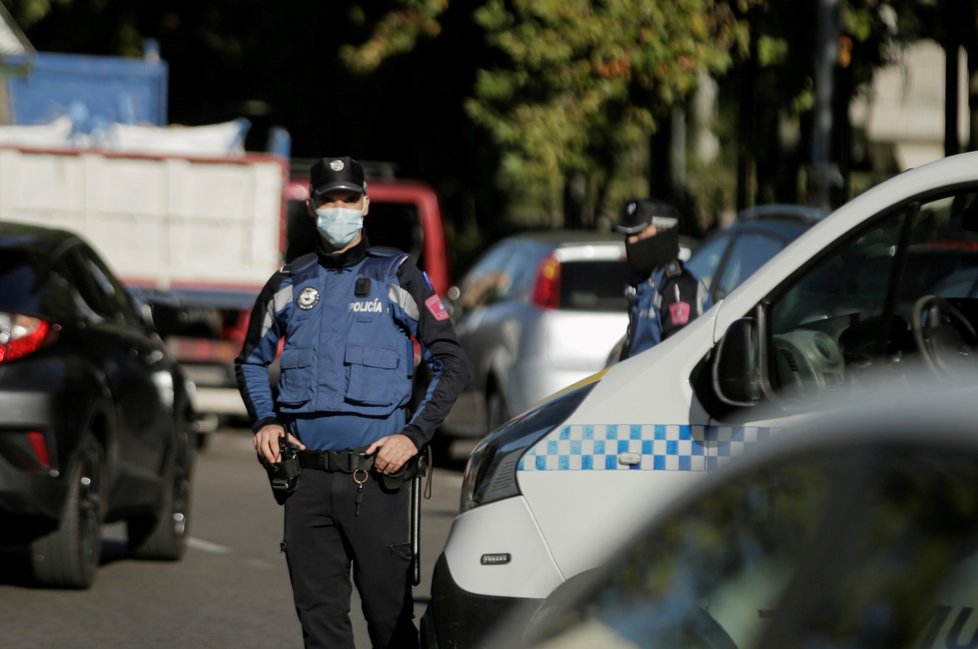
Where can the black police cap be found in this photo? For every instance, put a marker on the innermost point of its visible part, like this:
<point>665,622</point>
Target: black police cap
<point>328,174</point>
<point>641,213</point>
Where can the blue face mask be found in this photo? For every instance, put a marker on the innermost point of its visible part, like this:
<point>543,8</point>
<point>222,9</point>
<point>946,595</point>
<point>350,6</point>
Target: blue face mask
<point>339,225</point>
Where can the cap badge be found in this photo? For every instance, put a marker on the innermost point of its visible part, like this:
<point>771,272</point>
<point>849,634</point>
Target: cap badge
<point>308,298</point>
<point>336,165</point>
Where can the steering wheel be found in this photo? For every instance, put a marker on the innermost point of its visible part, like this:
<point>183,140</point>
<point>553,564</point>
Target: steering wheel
<point>947,340</point>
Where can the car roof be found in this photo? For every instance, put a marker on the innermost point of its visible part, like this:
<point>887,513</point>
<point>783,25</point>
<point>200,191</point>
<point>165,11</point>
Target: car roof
<point>38,240</point>
<point>569,237</point>
<point>786,229</point>
<point>809,214</point>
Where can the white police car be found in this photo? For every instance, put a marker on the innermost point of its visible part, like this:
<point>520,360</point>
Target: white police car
<point>547,495</point>
<point>858,529</point>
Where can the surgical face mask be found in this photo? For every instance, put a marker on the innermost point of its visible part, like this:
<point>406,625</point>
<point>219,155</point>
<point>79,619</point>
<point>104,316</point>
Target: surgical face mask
<point>339,225</point>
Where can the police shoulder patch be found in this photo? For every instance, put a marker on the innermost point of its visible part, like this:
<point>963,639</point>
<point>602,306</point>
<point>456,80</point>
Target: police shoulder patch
<point>308,298</point>
<point>436,308</point>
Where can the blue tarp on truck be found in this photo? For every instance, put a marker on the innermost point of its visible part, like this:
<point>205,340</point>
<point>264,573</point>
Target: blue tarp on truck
<point>93,90</point>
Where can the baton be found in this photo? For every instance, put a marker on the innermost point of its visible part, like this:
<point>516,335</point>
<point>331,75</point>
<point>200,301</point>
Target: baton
<point>416,528</point>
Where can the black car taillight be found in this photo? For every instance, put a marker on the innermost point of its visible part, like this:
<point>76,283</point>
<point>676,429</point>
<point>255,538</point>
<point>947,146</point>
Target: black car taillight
<point>21,335</point>
<point>546,291</point>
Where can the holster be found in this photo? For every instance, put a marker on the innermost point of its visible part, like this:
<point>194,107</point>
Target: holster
<point>283,476</point>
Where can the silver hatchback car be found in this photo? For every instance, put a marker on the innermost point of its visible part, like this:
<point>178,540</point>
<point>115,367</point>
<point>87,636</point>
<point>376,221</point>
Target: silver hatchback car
<point>536,313</point>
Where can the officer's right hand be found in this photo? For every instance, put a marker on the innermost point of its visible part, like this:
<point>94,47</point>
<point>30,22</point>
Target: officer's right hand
<point>266,442</point>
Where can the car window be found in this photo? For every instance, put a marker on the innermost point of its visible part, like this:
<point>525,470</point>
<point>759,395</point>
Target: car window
<point>19,282</point>
<point>703,263</point>
<point>852,309</point>
<point>487,280</point>
<point>521,269</point>
<point>749,252</point>
<point>594,285</point>
<point>99,290</point>
<point>396,225</point>
<point>821,549</point>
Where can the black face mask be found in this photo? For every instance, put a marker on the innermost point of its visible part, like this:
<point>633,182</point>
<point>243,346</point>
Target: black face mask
<point>649,253</point>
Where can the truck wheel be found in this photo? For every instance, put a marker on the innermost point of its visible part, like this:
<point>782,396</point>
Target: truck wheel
<point>163,537</point>
<point>69,556</point>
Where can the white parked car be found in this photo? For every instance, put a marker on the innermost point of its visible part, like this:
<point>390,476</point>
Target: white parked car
<point>547,496</point>
<point>536,312</point>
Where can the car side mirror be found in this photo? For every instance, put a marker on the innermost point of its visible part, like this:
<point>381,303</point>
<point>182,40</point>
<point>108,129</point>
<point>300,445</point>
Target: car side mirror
<point>737,366</point>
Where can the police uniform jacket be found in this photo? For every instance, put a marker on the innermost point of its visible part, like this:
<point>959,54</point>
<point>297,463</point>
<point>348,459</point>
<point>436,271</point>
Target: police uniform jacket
<point>347,321</point>
<point>662,304</point>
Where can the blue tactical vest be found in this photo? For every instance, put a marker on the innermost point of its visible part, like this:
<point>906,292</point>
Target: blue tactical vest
<point>345,351</point>
<point>646,301</point>
<point>644,312</point>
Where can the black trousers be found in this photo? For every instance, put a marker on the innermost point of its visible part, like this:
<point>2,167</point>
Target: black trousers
<point>324,535</point>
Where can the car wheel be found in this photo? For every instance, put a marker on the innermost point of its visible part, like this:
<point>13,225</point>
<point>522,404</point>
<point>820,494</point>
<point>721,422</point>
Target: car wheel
<point>69,556</point>
<point>497,413</point>
<point>164,535</point>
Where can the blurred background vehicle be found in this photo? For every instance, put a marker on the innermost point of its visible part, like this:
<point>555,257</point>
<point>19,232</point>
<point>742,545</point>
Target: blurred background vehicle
<point>729,256</point>
<point>95,414</point>
<point>858,530</point>
<point>537,312</point>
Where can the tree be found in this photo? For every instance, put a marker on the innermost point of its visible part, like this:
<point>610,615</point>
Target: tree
<point>575,87</point>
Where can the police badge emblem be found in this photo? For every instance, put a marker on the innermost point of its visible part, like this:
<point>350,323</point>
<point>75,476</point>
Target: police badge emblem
<point>308,298</point>
<point>336,165</point>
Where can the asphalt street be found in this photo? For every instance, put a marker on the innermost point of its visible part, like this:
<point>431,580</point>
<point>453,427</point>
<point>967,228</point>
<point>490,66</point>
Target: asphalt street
<point>230,590</point>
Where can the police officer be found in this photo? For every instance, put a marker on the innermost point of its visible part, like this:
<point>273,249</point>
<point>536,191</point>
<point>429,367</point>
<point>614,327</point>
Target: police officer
<point>663,295</point>
<point>347,314</point>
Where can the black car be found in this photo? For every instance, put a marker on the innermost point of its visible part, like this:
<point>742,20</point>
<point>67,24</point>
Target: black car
<point>729,256</point>
<point>94,413</point>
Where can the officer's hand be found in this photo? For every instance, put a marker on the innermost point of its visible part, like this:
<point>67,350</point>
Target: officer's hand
<point>266,442</point>
<point>392,452</point>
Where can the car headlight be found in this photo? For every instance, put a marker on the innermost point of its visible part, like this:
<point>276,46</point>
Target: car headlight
<point>490,473</point>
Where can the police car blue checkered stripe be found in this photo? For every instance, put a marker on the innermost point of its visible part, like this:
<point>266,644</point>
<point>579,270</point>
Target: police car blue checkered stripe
<point>659,447</point>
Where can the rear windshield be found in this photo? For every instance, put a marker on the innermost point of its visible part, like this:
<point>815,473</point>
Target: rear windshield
<point>593,285</point>
<point>18,283</point>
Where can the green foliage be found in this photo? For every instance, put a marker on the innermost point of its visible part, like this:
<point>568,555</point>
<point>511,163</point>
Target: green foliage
<point>574,85</point>
<point>395,33</point>
<point>583,82</point>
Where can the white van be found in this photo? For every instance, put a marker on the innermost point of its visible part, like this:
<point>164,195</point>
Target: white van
<point>888,278</point>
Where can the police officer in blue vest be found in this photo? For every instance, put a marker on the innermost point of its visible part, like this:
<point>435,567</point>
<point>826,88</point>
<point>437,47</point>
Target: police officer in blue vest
<point>663,295</point>
<point>347,314</point>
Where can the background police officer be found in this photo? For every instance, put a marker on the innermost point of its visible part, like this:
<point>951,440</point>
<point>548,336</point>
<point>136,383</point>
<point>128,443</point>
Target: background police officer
<point>663,295</point>
<point>348,313</point>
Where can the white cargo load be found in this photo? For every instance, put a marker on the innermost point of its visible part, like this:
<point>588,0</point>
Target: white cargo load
<point>161,221</point>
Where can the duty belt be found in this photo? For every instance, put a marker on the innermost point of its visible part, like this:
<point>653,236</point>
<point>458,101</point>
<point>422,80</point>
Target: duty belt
<point>345,461</point>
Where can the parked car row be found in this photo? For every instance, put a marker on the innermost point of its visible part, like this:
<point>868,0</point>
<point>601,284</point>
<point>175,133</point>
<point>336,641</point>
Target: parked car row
<point>95,415</point>
<point>865,301</point>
